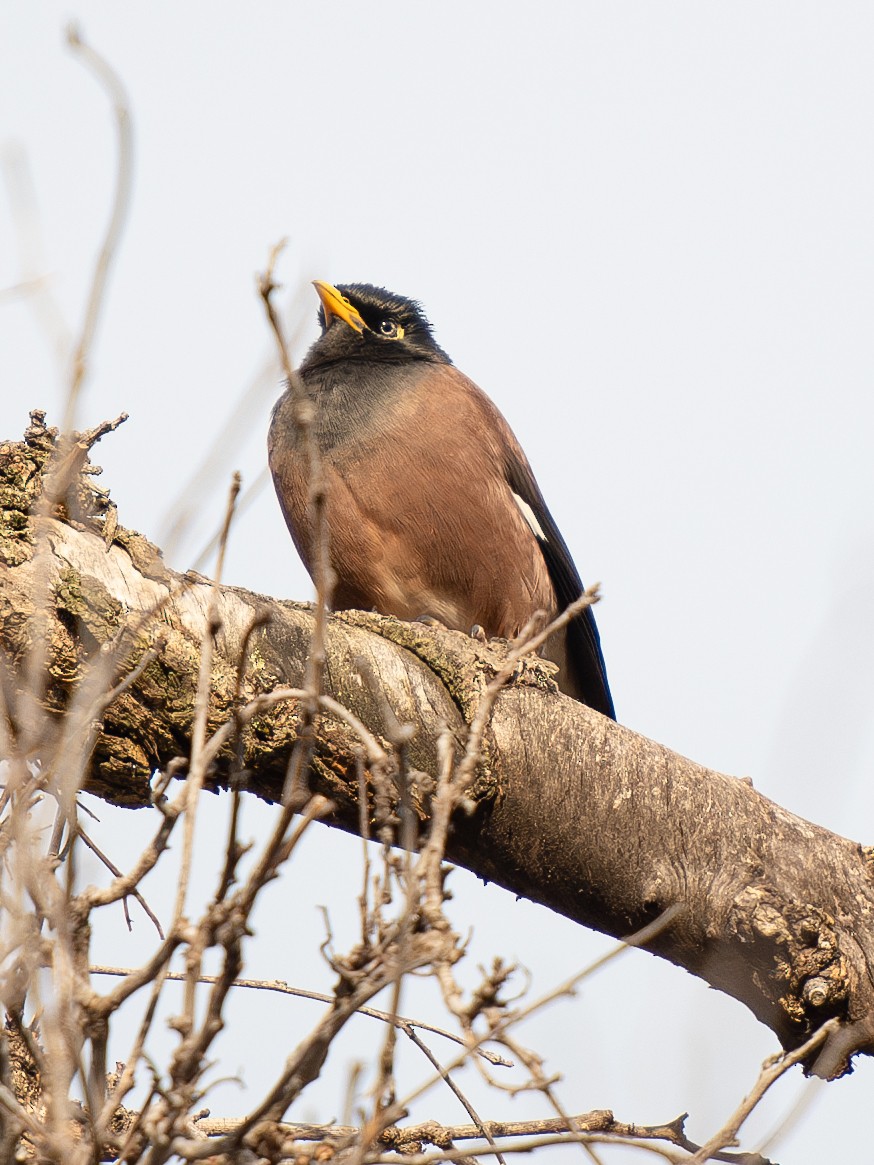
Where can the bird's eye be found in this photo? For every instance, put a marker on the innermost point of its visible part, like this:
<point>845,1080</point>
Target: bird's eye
<point>390,330</point>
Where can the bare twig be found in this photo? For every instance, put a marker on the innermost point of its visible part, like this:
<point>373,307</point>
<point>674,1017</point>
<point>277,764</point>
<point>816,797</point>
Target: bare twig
<point>598,1126</point>
<point>323,575</point>
<point>36,285</point>
<point>639,939</point>
<point>101,69</point>
<point>199,760</point>
<point>812,1088</point>
<point>306,1061</point>
<point>771,1072</point>
<point>116,872</point>
<point>233,851</point>
<point>465,1103</point>
<point>405,1023</point>
<point>529,640</point>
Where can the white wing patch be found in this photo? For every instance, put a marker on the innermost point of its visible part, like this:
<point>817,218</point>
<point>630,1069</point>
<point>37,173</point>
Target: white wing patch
<point>530,517</point>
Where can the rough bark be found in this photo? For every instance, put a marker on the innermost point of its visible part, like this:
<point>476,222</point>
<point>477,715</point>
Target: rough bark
<point>571,810</point>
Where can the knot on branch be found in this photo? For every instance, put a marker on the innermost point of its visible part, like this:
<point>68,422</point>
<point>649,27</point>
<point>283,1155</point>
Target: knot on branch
<point>798,951</point>
<point>407,1141</point>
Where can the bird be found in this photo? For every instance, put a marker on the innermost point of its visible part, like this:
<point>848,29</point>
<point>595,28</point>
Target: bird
<point>433,511</point>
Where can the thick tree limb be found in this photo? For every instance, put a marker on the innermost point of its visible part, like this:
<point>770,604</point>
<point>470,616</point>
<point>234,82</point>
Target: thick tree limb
<point>569,809</point>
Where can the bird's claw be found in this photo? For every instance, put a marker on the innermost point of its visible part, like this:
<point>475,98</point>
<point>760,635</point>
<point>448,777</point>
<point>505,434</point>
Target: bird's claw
<point>431,621</point>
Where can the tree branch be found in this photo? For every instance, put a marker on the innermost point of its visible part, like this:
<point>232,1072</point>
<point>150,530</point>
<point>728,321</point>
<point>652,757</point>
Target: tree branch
<point>566,807</point>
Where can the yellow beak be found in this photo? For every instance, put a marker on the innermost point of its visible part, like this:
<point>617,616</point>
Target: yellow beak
<point>335,305</point>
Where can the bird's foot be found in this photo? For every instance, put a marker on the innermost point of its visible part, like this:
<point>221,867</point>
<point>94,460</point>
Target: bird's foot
<point>432,621</point>
<point>478,633</point>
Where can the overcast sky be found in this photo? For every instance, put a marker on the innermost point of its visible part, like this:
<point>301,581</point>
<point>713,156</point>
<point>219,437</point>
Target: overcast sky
<point>645,229</point>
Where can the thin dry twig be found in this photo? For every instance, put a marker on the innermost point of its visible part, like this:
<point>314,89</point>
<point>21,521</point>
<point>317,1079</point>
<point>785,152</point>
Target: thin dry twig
<point>812,1089</point>
<point>323,575</point>
<point>531,639</point>
<point>306,1061</point>
<point>198,765</point>
<point>462,1099</point>
<point>34,283</point>
<point>771,1072</point>
<point>405,1023</point>
<point>639,939</point>
<point>116,872</point>
<point>599,1126</point>
<point>110,80</point>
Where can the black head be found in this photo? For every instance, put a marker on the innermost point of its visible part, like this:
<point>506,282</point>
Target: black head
<point>361,321</point>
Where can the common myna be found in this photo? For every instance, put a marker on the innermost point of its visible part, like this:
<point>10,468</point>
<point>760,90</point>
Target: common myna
<point>432,506</point>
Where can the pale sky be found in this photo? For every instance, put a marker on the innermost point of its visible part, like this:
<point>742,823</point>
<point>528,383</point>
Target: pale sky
<point>645,229</point>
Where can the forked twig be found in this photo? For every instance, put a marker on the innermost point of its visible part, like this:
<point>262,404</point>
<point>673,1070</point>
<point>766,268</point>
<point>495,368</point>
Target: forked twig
<point>116,872</point>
